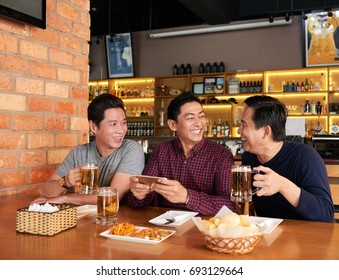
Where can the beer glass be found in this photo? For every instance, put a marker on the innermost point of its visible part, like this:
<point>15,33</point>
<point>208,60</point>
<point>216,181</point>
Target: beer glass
<point>108,206</point>
<point>89,179</point>
<point>241,183</point>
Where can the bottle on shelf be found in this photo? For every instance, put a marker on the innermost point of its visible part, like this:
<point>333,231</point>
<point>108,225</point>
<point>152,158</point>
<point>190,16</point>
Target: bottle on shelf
<point>201,68</point>
<point>318,128</point>
<point>311,86</point>
<point>161,113</point>
<point>208,68</point>
<point>312,108</point>
<point>302,87</point>
<point>175,70</point>
<point>318,108</point>
<point>221,67</point>
<point>227,129</point>
<point>322,81</point>
<point>182,69</point>
<point>215,67</point>
<point>215,129</point>
<point>307,86</point>
<point>188,69</point>
<point>324,106</point>
<point>307,108</point>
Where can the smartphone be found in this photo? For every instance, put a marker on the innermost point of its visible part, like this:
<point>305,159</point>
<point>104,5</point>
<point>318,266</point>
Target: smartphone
<point>148,180</point>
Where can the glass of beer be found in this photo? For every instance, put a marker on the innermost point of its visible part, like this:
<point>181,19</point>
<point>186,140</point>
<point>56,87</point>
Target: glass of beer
<point>108,206</point>
<point>241,183</point>
<point>89,179</point>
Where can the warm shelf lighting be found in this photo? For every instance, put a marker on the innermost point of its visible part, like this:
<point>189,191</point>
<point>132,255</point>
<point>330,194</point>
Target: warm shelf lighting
<point>219,28</point>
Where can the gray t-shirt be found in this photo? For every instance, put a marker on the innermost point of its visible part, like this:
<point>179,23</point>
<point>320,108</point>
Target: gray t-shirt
<point>129,158</point>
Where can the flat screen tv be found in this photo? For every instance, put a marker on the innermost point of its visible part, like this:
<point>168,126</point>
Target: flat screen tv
<point>32,12</point>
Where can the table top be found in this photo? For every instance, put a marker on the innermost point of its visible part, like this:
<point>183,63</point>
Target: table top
<point>291,240</point>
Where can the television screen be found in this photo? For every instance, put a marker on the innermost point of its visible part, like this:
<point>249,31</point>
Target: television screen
<point>32,12</point>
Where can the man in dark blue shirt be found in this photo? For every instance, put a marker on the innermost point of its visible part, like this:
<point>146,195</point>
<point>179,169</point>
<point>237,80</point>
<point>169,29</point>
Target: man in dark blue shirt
<point>295,183</point>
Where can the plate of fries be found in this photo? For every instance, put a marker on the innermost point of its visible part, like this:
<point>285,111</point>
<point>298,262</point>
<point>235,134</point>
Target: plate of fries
<point>129,232</point>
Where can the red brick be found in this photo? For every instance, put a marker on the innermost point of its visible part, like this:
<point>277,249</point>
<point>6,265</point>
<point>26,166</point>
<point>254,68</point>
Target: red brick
<point>66,107</point>
<point>12,178</point>
<point>37,104</point>
<point>68,75</point>
<point>5,121</point>
<point>70,43</point>
<point>8,160</point>
<point>12,102</point>
<point>78,123</point>
<point>59,23</point>
<point>67,11</point>
<point>40,175</point>
<point>33,49</point>
<point>12,63</point>
<point>32,158</point>
<point>13,26</point>
<point>30,85</point>
<point>43,70</point>
<point>61,57</point>
<point>11,141</point>
<point>27,122</point>
<point>6,81</point>
<point>40,140</point>
<point>81,31</point>
<point>57,89</point>
<point>80,93</point>
<point>8,42</point>
<point>57,123</point>
<point>66,140</point>
<point>45,35</point>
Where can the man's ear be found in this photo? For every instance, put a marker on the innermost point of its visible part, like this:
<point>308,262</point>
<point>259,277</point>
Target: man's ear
<point>267,130</point>
<point>93,127</point>
<point>172,124</point>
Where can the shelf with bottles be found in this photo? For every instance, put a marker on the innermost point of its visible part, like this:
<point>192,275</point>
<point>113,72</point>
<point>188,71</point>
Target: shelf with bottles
<point>169,87</point>
<point>296,80</point>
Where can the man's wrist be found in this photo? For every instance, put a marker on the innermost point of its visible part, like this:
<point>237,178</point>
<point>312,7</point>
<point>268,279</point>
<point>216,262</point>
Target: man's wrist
<point>188,198</point>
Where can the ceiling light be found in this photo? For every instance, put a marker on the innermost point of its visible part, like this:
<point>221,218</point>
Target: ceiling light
<point>220,28</point>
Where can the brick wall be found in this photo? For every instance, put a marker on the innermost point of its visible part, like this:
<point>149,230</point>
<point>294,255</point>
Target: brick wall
<point>43,93</point>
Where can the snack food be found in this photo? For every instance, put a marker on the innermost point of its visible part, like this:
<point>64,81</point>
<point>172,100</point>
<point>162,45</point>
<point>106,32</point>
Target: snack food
<point>230,225</point>
<point>127,229</point>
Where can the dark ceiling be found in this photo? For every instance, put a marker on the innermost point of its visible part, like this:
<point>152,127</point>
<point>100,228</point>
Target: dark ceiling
<point>118,16</point>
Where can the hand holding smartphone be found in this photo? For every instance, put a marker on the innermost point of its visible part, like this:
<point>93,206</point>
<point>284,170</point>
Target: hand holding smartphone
<point>148,180</point>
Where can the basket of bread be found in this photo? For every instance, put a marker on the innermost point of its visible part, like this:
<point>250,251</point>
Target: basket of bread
<point>229,233</point>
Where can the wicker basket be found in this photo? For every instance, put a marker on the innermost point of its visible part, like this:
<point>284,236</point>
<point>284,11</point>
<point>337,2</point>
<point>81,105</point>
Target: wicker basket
<point>46,223</point>
<point>242,245</point>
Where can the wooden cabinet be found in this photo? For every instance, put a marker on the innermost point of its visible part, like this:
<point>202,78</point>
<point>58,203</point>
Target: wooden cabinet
<point>223,95</point>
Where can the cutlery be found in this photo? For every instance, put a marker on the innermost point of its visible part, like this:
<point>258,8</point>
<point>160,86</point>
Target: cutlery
<point>169,221</point>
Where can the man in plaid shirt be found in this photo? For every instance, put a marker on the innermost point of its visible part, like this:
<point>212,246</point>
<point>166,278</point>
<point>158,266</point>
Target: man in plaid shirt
<point>195,171</point>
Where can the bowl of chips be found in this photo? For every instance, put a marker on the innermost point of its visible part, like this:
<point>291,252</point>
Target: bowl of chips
<point>230,233</point>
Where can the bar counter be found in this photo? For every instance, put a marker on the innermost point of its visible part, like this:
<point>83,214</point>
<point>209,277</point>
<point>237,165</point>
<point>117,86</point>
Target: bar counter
<point>291,240</point>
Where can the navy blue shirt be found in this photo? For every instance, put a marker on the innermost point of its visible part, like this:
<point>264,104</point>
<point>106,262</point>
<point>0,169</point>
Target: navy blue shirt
<point>302,165</point>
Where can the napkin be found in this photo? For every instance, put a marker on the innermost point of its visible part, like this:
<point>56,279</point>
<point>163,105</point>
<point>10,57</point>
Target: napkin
<point>46,208</point>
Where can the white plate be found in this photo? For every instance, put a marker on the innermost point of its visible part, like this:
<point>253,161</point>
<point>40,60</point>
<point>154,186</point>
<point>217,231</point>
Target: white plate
<point>135,239</point>
<point>266,225</point>
<point>180,218</point>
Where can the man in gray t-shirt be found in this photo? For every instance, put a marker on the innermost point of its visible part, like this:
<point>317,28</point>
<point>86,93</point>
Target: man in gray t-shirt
<point>116,157</point>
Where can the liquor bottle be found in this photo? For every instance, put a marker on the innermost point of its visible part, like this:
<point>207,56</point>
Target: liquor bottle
<point>182,69</point>
<point>219,128</point>
<point>188,69</point>
<point>311,86</point>
<point>312,107</point>
<point>240,87</point>
<point>324,106</point>
<point>307,86</point>
<point>307,108</point>
<point>322,81</point>
<point>318,108</point>
<point>227,129</point>
<point>302,87</point>
<point>208,68</point>
<point>175,70</point>
<point>318,128</point>
<point>221,67</point>
<point>215,129</point>
<point>161,114</point>
<point>201,68</point>
<point>215,67</point>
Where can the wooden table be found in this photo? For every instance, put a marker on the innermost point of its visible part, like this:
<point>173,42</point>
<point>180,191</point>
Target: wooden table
<point>289,241</point>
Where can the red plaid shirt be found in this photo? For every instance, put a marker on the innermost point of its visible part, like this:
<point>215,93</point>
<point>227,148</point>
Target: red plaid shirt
<point>206,174</point>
